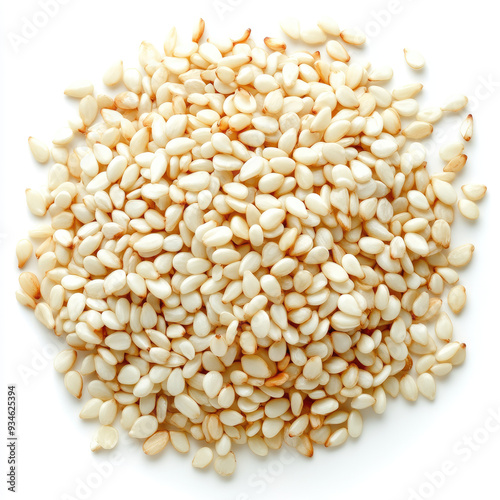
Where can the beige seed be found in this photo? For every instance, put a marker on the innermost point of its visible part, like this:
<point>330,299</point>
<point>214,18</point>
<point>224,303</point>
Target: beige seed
<point>418,130</point>
<point>444,191</point>
<point>353,36</point>
<point>43,313</point>
<point>36,202</point>
<point>24,299</point>
<point>39,150</point>
<point>448,351</point>
<point>313,36</point>
<point>407,91</point>
<point>88,110</point>
<point>65,360</point>
<point>441,369</point>
<point>329,26</point>
<point>79,89</point>
<point>459,357</point>
<point>461,255</point>
<point>427,385</point>
<point>291,27</point>
<point>91,409</point>
<point>113,74</point>
<point>107,437</point>
<point>179,441</point>
<point>408,387</point>
<point>30,284</point>
<point>144,427</point>
<point>414,59</point>
<point>355,424</point>
<point>466,128</point>
<point>337,51</point>
<point>444,327</point>
<point>198,30</point>
<point>156,443</point>
<point>337,438</point>
<point>456,298</point>
<point>187,406</point>
<point>24,249</point>
<point>381,74</point>
<point>468,209</point>
<point>255,366</point>
<point>202,458</point>
<point>456,164</point>
<point>217,237</point>
<point>74,383</point>
<point>275,44</point>
<point>451,150</point>
<point>384,148</point>
<point>225,466</point>
<point>474,192</point>
<point>430,115</point>
<point>455,103</point>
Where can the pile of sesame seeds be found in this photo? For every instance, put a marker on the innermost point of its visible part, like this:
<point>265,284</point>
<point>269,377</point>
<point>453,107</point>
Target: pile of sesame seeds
<point>249,248</point>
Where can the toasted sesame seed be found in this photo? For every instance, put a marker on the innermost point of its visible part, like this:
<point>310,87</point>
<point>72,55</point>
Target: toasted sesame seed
<point>466,128</point>
<point>156,443</point>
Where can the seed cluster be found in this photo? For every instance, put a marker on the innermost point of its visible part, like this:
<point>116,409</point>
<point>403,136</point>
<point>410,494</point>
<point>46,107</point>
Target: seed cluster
<point>249,247</point>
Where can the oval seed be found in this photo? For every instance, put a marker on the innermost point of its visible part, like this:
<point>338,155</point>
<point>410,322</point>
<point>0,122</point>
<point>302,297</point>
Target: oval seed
<point>24,249</point>
<point>414,59</point>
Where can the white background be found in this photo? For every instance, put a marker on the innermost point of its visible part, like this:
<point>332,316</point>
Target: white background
<point>399,451</point>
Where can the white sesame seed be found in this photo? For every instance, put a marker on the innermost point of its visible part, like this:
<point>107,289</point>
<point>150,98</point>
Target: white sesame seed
<point>474,192</point>
<point>202,458</point>
<point>456,298</point>
<point>414,59</point>
<point>468,209</point>
<point>455,103</point>
<point>79,89</point>
<point>427,385</point>
<point>329,26</point>
<point>245,242</point>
